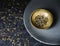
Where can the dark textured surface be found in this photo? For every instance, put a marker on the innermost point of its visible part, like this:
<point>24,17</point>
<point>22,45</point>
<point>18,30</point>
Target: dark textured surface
<point>12,30</point>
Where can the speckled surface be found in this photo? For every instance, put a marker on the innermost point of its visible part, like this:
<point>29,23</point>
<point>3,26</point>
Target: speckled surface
<point>12,30</point>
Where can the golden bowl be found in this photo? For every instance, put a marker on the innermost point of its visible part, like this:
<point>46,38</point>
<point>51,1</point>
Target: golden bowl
<point>41,18</point>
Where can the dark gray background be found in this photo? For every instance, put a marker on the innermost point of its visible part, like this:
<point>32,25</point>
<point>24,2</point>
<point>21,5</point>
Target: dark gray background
<point>7,8</point>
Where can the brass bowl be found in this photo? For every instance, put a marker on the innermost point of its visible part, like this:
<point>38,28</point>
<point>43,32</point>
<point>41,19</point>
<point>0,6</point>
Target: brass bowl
<point>50,36</point>
<point>41,18</point>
